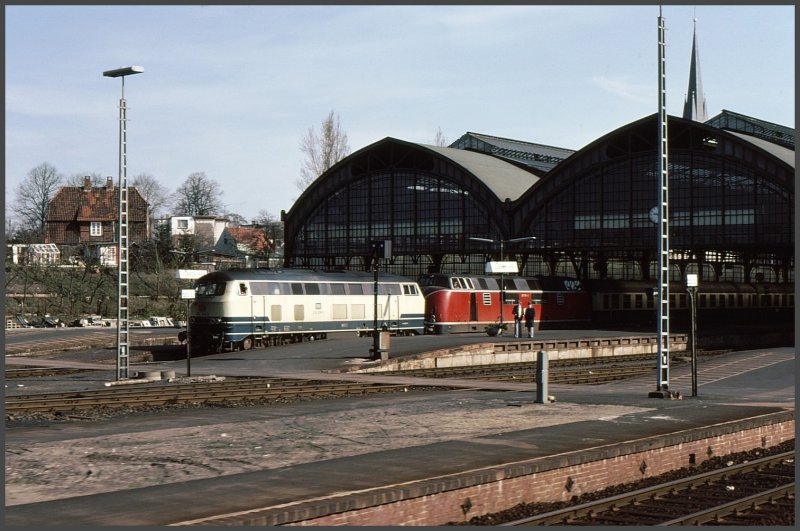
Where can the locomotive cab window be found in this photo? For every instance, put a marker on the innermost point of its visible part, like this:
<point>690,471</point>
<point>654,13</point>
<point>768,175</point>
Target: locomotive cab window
<point>242,288</point>
<point>211,289</point>
<point>409,289</point>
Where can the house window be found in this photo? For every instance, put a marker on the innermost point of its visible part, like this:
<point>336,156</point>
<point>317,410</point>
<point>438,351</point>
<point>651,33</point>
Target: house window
<point>96,228</point>
<point>183,224</point>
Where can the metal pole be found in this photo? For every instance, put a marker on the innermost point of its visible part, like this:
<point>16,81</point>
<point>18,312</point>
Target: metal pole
<point>502,287</point>
<point>123,330</point>
<point>375,340</point>
<point>693,336</point>
<point>662,383</point>
<point>188,340</point>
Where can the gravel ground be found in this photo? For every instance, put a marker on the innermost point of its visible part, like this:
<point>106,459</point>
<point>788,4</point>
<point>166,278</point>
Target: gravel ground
<point>144,450</point>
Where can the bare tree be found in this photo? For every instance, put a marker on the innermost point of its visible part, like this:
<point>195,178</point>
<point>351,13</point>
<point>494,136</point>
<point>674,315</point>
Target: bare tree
<point>264,217</point>
<point>33,197</point>
<point>78,179</point>
<point>322,151</point>
<point>273,233</point>
<point>440,140</point>
<point>235,220</point>
<point>198,196</point>
<point>153,192</point>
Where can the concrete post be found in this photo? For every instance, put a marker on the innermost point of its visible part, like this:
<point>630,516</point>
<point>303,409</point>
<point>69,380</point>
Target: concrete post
<point>541,377</point>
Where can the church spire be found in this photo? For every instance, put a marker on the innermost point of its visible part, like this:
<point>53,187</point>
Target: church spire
<point>695,106</point>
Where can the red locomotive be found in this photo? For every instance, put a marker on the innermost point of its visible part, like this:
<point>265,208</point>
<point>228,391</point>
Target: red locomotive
<point>467,303</point>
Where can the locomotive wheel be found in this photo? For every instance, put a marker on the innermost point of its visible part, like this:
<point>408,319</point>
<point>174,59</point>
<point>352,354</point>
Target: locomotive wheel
<point>247,343</point>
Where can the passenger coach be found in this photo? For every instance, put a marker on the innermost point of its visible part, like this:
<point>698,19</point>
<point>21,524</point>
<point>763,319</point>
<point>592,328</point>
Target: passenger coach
<point>243,308</point>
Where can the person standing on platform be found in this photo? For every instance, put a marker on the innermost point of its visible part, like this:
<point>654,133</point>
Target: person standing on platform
<point>518,316</point>
<point>530,318</point>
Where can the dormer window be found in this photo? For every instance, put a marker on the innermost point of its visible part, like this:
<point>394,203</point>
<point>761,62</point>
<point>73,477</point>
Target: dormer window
<point>96,228</point>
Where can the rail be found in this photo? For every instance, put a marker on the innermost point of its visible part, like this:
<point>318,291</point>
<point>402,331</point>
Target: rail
<point>701,498</point>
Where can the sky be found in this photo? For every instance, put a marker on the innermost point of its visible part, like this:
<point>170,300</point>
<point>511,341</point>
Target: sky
<point>231,90</point>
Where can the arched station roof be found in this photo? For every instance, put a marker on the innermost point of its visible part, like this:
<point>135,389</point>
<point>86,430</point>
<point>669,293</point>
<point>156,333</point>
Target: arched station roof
<point>731,195</point>
<point>418,195</point>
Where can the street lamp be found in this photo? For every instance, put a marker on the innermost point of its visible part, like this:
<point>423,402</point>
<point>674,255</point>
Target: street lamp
<point>691,287</point>
<point>123,329</point>
<point>502,270</point>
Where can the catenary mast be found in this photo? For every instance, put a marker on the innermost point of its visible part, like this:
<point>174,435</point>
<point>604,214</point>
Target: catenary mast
<point>663,224</point>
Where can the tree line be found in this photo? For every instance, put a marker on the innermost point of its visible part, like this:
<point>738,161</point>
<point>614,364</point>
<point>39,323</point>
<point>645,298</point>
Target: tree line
<point>72,292</point>
<point>197,195</point>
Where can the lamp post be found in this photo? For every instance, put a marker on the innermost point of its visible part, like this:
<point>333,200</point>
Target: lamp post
<point>502,270</point>
<point>123,329</point>
<point>691,287</point>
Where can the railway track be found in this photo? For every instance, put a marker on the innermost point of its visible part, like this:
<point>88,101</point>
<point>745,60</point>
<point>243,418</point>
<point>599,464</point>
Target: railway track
<point>759,492</point>
<point>273,389</point>
<point>573,371</point>
<point>154,395</point>
<point>40,372</point>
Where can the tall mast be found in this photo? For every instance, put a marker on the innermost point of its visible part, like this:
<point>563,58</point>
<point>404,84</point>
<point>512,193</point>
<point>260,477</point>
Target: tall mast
<point>663,223</point>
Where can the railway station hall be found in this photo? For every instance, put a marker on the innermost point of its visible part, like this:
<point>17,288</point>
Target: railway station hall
<point>731,205</point>
<point>590,214</point>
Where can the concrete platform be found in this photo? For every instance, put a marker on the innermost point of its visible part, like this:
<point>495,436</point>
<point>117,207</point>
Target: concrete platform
<point>399,459</point>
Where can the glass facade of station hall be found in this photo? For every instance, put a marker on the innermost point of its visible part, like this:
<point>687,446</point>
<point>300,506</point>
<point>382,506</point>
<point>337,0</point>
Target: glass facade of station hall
<point>731,210</point>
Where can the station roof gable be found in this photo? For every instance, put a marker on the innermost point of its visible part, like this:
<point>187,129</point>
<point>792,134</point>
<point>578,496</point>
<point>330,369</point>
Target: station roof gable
<point>504,179</point>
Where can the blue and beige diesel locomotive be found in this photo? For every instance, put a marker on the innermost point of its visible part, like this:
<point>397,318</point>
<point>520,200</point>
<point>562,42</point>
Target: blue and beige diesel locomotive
<point>243,308</point>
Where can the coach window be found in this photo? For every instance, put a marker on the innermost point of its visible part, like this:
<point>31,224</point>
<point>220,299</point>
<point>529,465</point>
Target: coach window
<point>626,301</point>
<point>337,288</point>
<point>388,289</point>
<point>242,288</point>
<point>311,289</point>
<point>356,289</point>
<point>297,288</point>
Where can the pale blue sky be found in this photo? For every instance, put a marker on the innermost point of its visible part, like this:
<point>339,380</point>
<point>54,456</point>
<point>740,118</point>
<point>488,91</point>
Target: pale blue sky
<point>230,91</point>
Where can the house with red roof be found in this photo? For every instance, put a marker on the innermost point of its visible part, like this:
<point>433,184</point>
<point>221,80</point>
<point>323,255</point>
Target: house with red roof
<point>83,220</point>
